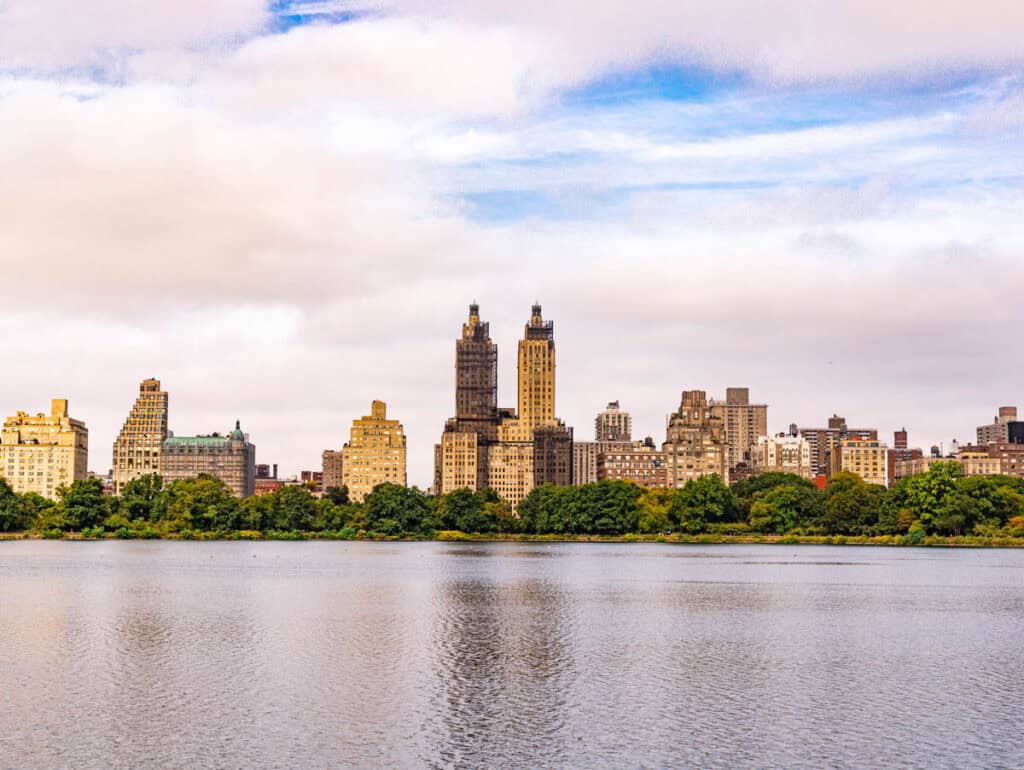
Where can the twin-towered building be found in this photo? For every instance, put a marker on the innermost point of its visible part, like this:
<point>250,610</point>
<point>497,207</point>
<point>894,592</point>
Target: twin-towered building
<point>508,450</point>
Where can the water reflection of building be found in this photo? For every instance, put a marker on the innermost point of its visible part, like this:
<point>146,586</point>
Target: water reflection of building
<point>503,661</point>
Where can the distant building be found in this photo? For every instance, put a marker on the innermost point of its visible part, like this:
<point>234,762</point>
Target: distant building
<point>822,439</point>
<point>138,446</point>
<point>998,431</point>
<point>870,459</point>
<point>973,462</point>
<point>266,471</point>
<point>613,424</point>
<point>640,462</point>
<point>40,453</point>
<point>266,486</point>
<point>585,456</point>
<point>744,423</point>
<point>462,459</point>
<point>314,480</point>
<point>332,469</point>
<point>783,454</point>
<point>1011,458</point>
<point>374,454</point>
<point>510,451</point>
<point>695,443</point>
<point>230,458</point>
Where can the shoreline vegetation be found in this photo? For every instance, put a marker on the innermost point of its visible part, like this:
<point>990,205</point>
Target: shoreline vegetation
<point>937,508</point>
<point>456,536</point>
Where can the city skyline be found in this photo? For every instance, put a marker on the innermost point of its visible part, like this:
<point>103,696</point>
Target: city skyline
<point>281,208</point>
<point>420,453</point>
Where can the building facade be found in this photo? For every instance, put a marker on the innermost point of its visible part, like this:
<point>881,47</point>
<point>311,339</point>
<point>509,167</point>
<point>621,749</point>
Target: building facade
<point>138,446</point>
<point>374,454</point>
<point>585,455</point>
<point>510,451</point>
<point>867,458</point>
<point>613,425</point>
<point>640,462</point>
<point>40,453</point>
<point>230,458</point>
<point>822,439</point>
<point>462,457</point>
<point>744,423</point>
<point>695,443</point>
<point>332,468</point>
<point>998,431</point>
<point>783,454</point>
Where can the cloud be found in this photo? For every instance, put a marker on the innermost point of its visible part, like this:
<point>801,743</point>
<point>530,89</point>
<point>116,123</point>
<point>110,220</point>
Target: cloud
<point>135,196</point>
<point>53,35</point>
<point>779,40</point>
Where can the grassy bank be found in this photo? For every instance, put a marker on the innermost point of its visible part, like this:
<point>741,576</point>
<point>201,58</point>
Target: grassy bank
<point>455,536</point>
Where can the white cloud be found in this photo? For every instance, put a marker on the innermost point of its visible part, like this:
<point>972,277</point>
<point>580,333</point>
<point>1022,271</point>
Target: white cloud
<point>58,34</point>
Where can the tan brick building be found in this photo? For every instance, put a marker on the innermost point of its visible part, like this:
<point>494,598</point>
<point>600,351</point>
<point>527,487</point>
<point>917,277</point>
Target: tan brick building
<point>744,423</point>
<point>867,458</point>
<point>230,458</point>
<point>695,443</point>
<point>40,453</point>
<point>139,444</point>
<point>374,454</point>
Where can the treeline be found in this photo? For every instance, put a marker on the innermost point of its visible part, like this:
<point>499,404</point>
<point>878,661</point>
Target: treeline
<point>201,506</point>
<point>938,503</point>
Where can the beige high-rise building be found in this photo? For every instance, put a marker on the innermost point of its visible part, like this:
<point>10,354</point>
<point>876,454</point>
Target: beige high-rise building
<point>43,452</point>
<point>695,443</point>
<point>374,454</point>
<point>613,424</point>
<point>139,444</point>
<point>783,454</point>
<point>230,458</point>
<point>867,458</point>
<point>534,447</point>
<point>744,423</point>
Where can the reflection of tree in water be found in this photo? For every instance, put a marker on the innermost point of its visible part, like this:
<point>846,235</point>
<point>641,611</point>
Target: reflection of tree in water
<point>502,666</point>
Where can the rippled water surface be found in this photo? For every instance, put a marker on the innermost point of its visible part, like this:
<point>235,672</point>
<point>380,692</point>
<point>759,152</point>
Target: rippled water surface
<point>324,655</point>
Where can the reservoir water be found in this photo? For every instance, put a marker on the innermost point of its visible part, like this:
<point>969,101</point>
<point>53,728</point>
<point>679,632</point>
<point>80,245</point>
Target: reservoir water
<point>334,654</point>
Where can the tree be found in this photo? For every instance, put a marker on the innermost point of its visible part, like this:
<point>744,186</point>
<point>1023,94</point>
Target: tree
<point>337,495</point>
<point>392,509</point>
<point>926,491</point>
<point>289,508</point>
<point>652,509</point>
<point>15,515</point>
<point>700,501</point>
<point>143,498</point>
<point>851,506</point>
<point>203,503</point>
<point>784,508</point>
<point>82,505</point>
<point>746,490</point>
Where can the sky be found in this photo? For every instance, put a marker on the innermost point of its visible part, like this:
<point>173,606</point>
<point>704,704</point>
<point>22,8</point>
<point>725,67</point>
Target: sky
<point>283,209</point>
